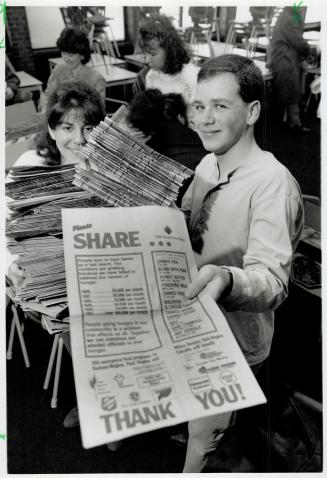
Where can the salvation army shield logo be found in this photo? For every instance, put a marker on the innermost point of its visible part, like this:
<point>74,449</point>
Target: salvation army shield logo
<point>108,403</point>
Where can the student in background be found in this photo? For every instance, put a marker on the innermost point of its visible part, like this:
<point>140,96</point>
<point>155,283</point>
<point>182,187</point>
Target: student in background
<point>163,120</point>
<point>75,51</point>
<point>287,48</point>
<point>171,70</point>
<point>12,83</point>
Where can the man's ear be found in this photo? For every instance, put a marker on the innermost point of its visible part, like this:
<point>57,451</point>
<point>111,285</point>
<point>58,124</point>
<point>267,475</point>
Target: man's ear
<point>254,112</point>
<point>51,133</point>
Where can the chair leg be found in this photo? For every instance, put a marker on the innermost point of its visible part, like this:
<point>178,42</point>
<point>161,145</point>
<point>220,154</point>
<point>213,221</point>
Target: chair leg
<point>11,339</point>
<point>51,361</point>
<point>57,374</point>
<point>20,335</point>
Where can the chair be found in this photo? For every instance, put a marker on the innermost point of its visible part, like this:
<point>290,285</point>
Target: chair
<point>17,324</point>
<point>201,31</point>
<point>218,48</point>
<point>314,87</point>
<point>57,346</point>
<point>114,101</point>
<point>238,32</point>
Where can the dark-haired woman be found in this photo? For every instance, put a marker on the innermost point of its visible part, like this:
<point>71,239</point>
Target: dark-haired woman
<point>76,53</point>
<point>73,110</point>
<point>171,70</point>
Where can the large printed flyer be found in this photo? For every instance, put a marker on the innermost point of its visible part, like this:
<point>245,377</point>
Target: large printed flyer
<point>144,356</point>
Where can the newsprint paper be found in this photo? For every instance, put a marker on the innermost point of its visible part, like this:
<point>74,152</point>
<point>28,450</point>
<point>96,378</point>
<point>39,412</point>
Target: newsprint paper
<point>144,357</point>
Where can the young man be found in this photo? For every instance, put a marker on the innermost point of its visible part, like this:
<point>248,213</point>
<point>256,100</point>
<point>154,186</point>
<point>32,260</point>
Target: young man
<point>246,218</point>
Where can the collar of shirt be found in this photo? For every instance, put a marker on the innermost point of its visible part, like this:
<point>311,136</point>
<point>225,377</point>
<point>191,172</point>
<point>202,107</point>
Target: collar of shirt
<point>77,70</point>
<point>210,173</point>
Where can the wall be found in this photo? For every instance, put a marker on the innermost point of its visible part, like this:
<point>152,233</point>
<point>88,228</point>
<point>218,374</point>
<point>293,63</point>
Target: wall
<point>20,50</point>
<point>45,25</point>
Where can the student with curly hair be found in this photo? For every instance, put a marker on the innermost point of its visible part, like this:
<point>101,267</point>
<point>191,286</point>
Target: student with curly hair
<point>171,70</point>
<point>163,120</point>
<point>76,53</point>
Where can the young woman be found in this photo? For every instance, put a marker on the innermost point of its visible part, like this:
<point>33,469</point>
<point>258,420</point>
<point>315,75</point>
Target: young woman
<point>73,110</point>
<point>75,51</point>
<point>171,70</point>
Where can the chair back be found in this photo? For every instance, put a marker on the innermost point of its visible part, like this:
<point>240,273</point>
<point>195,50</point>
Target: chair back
<point>219,48</point>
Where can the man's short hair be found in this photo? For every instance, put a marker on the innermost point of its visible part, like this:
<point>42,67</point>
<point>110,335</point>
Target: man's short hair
<point>248,75</point>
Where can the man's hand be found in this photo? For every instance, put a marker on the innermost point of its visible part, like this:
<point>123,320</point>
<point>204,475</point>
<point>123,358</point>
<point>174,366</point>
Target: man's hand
<point>213,279</point>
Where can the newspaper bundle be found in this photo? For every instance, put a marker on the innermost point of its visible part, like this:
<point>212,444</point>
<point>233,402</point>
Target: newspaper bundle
<point>35,197</point>
<point>122,171</point>
<point>144,356</point>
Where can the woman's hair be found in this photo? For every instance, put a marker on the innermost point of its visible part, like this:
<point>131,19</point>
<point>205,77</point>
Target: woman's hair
<point>70,96</point>
<point>72,40</point>
<point>248,75</point>
<point>150,108</point>
<point>160,28</point>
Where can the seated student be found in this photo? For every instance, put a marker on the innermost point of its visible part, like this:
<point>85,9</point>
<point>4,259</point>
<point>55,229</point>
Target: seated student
<point>171,70</point>
<point>12,83</point>
<point>246,217</point>
<point>163,120</point>
<point>75,51</point>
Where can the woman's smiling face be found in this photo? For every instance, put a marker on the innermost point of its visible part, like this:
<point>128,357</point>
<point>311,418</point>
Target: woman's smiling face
<point>71,135</point>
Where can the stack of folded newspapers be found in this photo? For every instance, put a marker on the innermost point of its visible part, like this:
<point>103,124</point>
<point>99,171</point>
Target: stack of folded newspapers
<point>35,197</point>
<point>122,171</point>
<point>44,286</point>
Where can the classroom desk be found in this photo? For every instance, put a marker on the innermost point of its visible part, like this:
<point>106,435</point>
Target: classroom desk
<point>202,50</point>
<point>266,73</point>
<point>312,26</point>
<point>312,35</point>
<point>116,76</point>
<point>97,60</point>
<point>138,59</point>
<point>260,42</point>
<point>28,82</point>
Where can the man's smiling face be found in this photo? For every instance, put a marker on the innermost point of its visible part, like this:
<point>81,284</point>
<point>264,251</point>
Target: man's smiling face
<point>220,114</point>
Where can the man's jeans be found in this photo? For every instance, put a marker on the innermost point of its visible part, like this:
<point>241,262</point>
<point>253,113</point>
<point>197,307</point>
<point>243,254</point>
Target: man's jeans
<point>205,434</point>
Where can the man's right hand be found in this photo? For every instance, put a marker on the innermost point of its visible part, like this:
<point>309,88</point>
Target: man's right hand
<point>213,279</point>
